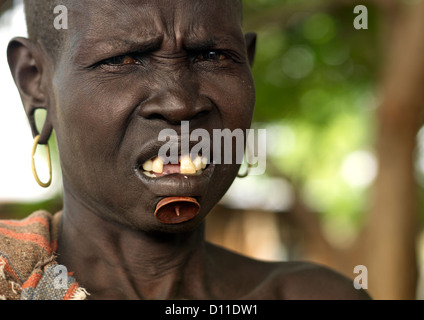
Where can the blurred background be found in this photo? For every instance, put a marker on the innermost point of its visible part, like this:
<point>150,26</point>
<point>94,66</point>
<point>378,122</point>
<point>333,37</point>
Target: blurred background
<point>344,184</point>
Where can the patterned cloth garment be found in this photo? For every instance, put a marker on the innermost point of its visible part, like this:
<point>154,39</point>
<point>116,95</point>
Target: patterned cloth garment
<point>28,267</point>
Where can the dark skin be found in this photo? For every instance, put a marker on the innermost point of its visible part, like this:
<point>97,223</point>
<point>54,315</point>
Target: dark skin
<point>109,93</point>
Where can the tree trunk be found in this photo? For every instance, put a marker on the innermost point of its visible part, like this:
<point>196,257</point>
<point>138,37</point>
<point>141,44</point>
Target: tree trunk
<point>389,240</point>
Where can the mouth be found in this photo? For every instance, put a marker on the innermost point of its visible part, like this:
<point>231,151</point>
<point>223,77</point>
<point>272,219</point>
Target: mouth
<point>183,174</point>
<point>156,168</point>
<point>178,183</point>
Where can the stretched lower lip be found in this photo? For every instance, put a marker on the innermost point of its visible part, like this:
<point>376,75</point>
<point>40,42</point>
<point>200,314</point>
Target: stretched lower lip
<point>174,210</point>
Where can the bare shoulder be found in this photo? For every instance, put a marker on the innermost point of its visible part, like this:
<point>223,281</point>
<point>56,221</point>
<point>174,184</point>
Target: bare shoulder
<point>304,280</point>
<point>286,280</point>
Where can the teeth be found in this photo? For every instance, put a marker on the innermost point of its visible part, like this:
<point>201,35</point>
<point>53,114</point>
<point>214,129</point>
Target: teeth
<point>157,165</point>
<point>186,166</point>
<point>149,174</point>
<point>204,162</point>
<point>197,162</point>
<point>148,165</point>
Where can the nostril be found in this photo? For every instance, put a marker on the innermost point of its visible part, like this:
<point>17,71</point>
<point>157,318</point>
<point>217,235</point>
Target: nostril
<point>156,116</point>
<point>200,114</point>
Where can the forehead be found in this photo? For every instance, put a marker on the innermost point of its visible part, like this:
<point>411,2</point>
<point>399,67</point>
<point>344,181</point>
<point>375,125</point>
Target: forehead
<point>178,20</point>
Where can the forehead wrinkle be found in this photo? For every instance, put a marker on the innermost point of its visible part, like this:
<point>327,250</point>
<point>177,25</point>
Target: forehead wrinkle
<point>151,19</point>
<point>193,21</point>
<point>98,18</point>
<point>124,35</point>
<point>201,32</point>
<point>230,8</point>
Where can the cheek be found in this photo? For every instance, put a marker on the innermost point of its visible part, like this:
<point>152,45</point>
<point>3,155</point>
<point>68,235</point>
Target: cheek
<point>91,115</point>
<point>235,98</point>
<point>89,123</point>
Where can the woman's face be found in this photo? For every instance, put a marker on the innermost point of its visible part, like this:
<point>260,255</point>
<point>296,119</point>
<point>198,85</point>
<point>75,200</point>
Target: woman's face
<point>130,69</point>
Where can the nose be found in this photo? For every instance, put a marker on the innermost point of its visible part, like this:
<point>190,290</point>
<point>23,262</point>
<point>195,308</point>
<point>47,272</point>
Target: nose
<point>175,102</point>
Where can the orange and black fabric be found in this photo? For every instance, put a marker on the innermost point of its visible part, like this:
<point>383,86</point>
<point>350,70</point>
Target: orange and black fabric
<point>28,267</point>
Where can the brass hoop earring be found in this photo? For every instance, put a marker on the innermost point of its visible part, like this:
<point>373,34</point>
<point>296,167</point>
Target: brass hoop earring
<point>49,163</point>
<point>245,174</point>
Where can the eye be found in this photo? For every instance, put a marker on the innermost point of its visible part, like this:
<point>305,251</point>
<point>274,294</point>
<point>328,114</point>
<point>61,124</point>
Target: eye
<point>210,56</point>
<point>121,60</point>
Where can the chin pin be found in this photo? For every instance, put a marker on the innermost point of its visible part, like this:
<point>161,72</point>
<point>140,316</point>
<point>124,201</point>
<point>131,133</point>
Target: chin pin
<point>173,210</point>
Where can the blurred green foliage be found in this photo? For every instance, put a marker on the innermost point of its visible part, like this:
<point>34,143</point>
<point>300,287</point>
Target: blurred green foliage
<point>315,77</point>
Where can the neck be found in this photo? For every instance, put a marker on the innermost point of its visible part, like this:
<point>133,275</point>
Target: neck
<point>114,261</point>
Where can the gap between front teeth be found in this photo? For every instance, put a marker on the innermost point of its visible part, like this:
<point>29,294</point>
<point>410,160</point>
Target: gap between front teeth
<point>187,166</point>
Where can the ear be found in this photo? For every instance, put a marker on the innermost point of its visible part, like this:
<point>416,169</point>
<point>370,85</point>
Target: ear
<point>29,67</point>
<point>250,39</point>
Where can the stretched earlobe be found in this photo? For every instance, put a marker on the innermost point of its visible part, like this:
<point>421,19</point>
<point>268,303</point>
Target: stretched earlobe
<point>28,66</point>
<point>250,39</point>
<point>46,129</point>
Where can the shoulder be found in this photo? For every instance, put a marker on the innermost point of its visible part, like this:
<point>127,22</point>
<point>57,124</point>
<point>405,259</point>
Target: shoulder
<point>23,244</point>
<point>304,280</point>
<point>26,239</point>
<point>33,229</point>
<point>290,280</point>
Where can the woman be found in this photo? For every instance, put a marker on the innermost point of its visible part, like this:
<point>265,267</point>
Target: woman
<point>132,226</point>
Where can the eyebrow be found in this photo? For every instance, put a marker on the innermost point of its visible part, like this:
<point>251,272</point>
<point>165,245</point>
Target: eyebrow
<point>196,44</point>
<point>104,47</point>
<point>100,46</point>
